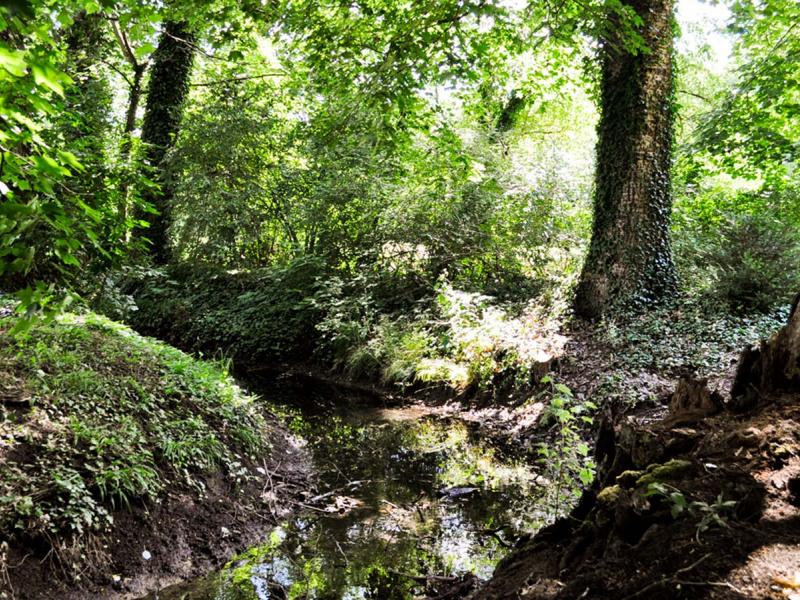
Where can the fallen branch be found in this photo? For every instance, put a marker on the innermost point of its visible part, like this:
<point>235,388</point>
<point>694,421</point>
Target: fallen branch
<point>668,580</point>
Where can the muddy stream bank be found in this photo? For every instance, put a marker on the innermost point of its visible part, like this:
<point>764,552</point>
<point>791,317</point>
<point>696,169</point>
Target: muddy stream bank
<point>405,501</point>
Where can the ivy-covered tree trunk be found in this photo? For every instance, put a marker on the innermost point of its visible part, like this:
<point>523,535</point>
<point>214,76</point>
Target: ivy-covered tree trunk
<point>88,100</point>
<point>630,259</point>
<point>87,104</point>
<point>169,84</point>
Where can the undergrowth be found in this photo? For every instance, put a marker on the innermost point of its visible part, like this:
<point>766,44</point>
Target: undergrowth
<point>373,327</point>
<point>95,418</point>
<point>462,339</point>
<point>691,336</point>
<point>366,327</point>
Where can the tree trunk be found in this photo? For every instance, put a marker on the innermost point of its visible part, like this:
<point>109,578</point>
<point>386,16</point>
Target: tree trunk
<point>630,260</point>
<point>169,85</point>
<point>134,96</point>
<point>87,104</point>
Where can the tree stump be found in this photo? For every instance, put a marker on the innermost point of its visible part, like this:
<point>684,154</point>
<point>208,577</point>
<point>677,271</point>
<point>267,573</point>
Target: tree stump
<point>692,401</point>
<point>774,366</point>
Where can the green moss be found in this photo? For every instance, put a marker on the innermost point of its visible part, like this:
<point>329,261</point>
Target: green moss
<point>628,478</point>
<point>609,495</point>
<point>114,418</point>
<point>668,471</point>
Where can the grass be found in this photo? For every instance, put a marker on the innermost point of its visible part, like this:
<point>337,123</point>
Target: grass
<point>95,418</point>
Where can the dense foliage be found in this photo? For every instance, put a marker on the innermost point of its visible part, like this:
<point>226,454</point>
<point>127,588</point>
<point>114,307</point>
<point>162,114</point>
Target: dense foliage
<point>387,152</point>
<point>738,204</point>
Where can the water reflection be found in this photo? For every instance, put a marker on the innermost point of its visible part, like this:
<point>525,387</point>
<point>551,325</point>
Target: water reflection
<point>403,496</point>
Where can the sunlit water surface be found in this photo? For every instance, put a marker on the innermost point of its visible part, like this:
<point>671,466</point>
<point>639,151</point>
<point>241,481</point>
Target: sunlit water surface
<point>404,495</point>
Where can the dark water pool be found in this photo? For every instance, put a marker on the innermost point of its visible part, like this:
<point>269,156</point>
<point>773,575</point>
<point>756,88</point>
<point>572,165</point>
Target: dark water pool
<point>403,495</point>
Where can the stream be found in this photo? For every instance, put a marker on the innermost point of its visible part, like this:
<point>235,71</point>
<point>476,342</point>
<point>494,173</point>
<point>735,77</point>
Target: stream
<point>403,494</point>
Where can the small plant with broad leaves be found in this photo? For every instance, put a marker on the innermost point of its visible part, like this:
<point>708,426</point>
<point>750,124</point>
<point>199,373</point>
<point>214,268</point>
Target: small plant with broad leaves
<point>566,460</point>
<point>708,514</point>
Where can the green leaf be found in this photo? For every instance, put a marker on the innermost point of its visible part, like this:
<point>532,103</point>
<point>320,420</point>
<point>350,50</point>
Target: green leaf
<point>47,165</point>
<point>13,61</point>
<point>46,76</point>
<point>70,159</point>
<point>144,50</point>
<point>586,476</point>
<point>563,389</point>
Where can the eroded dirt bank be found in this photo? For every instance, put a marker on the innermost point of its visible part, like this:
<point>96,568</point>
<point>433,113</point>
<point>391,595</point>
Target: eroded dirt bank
<point>699,503</point>
<point>126,464</point>
<point>184,536</point>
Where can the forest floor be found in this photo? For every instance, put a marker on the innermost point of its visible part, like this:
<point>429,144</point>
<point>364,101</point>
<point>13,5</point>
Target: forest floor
<point>705,509</point>
<point>627,368</point>
<point>686,505</point>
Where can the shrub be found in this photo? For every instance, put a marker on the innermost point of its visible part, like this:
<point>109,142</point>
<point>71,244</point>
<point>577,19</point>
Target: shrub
<point>753,265</point>
<point>252,316</point>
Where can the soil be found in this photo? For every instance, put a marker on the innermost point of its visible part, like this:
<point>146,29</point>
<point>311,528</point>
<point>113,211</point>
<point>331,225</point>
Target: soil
<point>622,543</point>
<point>182,536</point>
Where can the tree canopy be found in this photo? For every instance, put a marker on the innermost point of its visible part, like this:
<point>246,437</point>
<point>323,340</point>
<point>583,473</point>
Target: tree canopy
<point>428,139</point>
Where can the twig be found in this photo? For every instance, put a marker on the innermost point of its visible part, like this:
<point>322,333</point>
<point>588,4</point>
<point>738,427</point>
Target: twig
<point>350,484</point>
<point>666,580</point>
<point>346,562</point>
<point>495,534</point>
<point>237,79</point>
<point>268,484</point>
<point>423,578</point>
<point>726,584</point>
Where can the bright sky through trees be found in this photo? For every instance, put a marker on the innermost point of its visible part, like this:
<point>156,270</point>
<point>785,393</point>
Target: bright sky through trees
<point>702,24</point>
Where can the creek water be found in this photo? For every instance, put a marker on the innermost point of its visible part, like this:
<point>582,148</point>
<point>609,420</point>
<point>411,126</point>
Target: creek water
<point>403,495</point>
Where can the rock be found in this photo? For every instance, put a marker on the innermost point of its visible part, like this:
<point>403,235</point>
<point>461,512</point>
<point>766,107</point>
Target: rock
<point>780,453</point>
<point>643,446</point>
<point>747,438</point>
<point>608,496</point>
<point>628,478</point>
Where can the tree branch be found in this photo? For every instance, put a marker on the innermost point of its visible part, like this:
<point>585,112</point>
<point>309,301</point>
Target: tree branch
<point>237,79</point>
<point>696,95</point>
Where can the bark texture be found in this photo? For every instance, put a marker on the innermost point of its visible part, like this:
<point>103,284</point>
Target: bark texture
<point>169,85</point>
<point>630,259</point>
<point>774,366</point>
<point>87,104</point>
